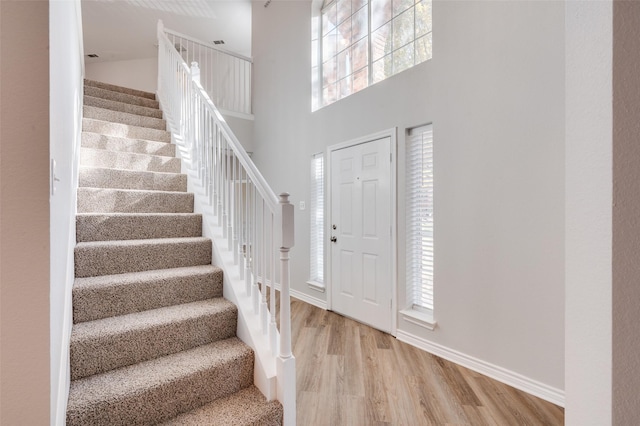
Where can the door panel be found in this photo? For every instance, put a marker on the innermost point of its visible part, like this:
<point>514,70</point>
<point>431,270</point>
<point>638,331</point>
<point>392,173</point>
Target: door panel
<point>361,212</point>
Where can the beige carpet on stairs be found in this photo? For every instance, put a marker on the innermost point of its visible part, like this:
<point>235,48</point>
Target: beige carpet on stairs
<point>153,340</point>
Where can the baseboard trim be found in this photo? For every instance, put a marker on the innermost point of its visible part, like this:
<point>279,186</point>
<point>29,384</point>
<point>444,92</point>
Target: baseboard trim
<point>518,381</point>
<point>319,303</point>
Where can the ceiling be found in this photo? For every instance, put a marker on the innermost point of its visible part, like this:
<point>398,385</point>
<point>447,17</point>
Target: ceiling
<point>118,30</point>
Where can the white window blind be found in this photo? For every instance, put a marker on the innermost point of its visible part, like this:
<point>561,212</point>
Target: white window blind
<point>316,211</point>
<point>419,199</point>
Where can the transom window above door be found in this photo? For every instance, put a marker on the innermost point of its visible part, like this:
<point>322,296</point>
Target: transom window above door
<point>357,43</point>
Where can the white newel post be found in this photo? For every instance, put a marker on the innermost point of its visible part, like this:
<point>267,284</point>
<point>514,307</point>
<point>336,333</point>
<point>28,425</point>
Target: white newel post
<point>286,363</point>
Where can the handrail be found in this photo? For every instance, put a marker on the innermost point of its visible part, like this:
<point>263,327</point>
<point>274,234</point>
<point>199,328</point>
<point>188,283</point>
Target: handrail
<point>210,45</point>
<point>254,221</point>
<point>225,76</point>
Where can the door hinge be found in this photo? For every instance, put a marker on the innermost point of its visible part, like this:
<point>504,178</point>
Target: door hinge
<point>391,157</point>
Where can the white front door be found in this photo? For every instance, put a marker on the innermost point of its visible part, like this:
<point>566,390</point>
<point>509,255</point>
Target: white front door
<point>360,245</point>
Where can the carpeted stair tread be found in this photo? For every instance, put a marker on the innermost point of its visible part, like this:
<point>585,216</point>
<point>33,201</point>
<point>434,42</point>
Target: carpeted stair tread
<point>110,343</point>
<point>160,389</point>
<point>136,226</point>
<point>114,143</point>
<point>247,407</point>
<point>122,107</point>
<point>111,295</point>
<point>118,257</point>
<point>108,200</point>
<point>121,89</point>
<point>105,177</point>
<point>97,113</point>
<point>128,161</point>
<point>111,95</point>
<point>124,130</point>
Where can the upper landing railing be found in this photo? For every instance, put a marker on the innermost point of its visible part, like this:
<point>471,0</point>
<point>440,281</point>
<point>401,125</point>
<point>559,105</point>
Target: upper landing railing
<point>225,76</point>
<point>257,224</point>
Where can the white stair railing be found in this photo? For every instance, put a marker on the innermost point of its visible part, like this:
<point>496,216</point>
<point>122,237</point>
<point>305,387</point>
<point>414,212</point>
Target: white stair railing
<point>225,76</point>
<point>255,222</point>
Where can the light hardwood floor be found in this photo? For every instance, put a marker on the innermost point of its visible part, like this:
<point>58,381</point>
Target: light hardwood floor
<point>351,374</point>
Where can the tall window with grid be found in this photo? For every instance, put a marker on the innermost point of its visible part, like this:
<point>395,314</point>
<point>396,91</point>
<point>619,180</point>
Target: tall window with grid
<point>362,42</point>
<point>419,208</point>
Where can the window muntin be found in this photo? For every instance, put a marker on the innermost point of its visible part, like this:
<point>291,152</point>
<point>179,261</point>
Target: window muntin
<point>362,42</point>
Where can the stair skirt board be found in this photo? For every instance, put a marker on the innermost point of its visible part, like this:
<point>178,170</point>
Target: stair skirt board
<point>153,340</point>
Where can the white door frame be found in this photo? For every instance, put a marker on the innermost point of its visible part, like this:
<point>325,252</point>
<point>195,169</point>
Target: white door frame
<point>392,135</point>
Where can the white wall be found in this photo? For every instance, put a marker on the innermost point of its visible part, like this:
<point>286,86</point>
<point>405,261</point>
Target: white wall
<point>66,68</point>
<point>141,74</point>
<point>495,93</point>
<point>499,176</point>
<point>24,213</point>
<point>243,129</point>
<point>588,213</point>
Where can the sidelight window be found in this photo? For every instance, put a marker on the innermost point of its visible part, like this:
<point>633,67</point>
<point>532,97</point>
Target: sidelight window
<point>419,208</point>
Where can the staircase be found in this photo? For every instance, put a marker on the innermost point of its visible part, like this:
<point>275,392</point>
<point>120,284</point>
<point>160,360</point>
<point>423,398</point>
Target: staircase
<point>153,341</point>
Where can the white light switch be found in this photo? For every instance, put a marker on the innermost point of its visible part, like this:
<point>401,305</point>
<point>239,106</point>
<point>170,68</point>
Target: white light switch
<point>302,205</point>
<point>54,177</point>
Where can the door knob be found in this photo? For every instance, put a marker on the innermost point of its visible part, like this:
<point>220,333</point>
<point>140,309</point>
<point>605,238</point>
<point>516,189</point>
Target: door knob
<point>334,239</point>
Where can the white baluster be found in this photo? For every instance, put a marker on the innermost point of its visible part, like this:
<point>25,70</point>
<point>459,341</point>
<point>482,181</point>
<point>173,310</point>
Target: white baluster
<point>273,328</point>
<point>249,239</point>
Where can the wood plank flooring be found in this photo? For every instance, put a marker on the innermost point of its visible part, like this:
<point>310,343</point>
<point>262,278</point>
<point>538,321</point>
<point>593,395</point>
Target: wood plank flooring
<point>351,374</point>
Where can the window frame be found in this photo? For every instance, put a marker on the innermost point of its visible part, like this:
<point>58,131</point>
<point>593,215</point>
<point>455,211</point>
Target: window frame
<point>419,191</point>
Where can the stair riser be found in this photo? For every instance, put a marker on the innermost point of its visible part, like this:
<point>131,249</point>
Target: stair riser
<point>124,130</point>
<point>167,400</point>
<point>93,259</point>
<point>123,292</point>
<point>124,118</point>
<point>125,179</point>
<point>140,146</point>
<point>118,227</point>
<point>128,161</point>
<point>120,89</point>
<point>97,355</point>
<point>96,200</point>
<point>247,407</point>
<point>96,92</point>
<point>122,107</point>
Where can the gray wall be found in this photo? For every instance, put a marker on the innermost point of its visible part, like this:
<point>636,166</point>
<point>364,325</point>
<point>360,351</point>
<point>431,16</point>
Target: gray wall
<point>24,213</point>
<point>495,93</point>
<point>626,211</point>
